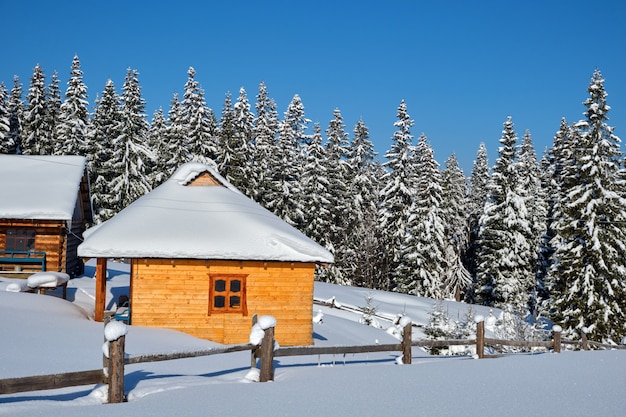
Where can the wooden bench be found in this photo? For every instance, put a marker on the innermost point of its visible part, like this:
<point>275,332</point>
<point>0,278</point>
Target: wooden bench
<point>123,313</point>
<point>21,257</point>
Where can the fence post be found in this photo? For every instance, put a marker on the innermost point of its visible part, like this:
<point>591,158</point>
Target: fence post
<point>480,336</point>
<point>267,356</point>
<point>407,338</point>
<point>556,334</point>
<point>583,339</point>
<point>115,334</point>
<point>254,350</point>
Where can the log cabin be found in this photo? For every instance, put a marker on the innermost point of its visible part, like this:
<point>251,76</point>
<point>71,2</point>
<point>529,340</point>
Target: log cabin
<point>204,259</point>
<point>44,208</point>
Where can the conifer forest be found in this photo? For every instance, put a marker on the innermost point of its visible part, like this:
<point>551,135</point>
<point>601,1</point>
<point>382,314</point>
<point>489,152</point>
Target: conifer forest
<point>541,236</point>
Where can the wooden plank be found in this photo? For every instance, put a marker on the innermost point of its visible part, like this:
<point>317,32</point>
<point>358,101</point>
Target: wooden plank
<point>518,343</point>
<point>443,343</point>
<point>605,345</point>
<point>182,355</point>
<point>335,350</point>
<point>11,223</point>
<point>46,382</point>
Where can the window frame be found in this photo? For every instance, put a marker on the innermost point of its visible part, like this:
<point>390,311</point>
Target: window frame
<point>23,235</point>
<point>242,308</point>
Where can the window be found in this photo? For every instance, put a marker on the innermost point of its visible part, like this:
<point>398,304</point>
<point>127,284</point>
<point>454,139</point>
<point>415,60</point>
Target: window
<point>20,239</point>
<point>227,293</point>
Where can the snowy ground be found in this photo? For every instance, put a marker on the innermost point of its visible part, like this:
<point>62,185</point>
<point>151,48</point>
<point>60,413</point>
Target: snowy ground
<point>44,334</point>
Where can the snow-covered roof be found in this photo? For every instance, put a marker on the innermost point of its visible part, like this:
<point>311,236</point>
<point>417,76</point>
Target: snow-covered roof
<point>179,220</point>
<point>39,187</point>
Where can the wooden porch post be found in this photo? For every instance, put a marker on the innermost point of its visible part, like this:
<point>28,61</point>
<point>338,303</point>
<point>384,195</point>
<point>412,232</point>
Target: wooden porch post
<point>101,288</point>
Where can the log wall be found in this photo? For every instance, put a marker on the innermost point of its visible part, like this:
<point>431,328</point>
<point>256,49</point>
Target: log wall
<point>49,238</point>
<point>174,294</point>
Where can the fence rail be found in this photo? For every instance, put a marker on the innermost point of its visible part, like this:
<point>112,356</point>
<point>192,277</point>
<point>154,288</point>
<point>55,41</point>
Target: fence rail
<point>335,350</point>
<point>157,357</point>
<point>45,382</point>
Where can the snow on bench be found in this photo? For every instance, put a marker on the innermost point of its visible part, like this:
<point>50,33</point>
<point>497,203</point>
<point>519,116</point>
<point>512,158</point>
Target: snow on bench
<point>42,281</point>
<point>17,287</point>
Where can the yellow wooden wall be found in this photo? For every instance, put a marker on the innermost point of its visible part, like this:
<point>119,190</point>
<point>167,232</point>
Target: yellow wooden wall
<point>174,294</point>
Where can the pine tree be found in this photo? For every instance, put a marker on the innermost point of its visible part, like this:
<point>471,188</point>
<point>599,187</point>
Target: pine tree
<point>284,197</point>
<point>363,232</point>
<point>478,194</point>
<point>53,115</point>
<point>505,251</point>
<point>174,151</point>
<point>455,204</point>
<point>157,141</point>
<point>423,251</point>
<point>16,114</point>
<point>530,183</point>
<point>455,208</point>
<point>236,147</point>
<point>131,157</point>
<point>195,118</point>
<point>339,202</point>
<point>266,128</point>
<point>587,277</point>
<point>72,129</point>
<point>226,135</point>
<point>4,120</point>
<point>316,207</point>
<point>396,197</point>
<point>34,128</point>
<point>557,157</point>
<point>532,191</point>
<point>106,131</point>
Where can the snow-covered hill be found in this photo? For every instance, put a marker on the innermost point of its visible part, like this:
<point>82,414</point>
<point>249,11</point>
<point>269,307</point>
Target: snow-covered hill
<point>45,334</point>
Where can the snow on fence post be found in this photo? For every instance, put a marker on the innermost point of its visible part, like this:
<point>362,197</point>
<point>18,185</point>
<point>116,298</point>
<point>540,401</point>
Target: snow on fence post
<point>556,334</point>
<point>480,336</point>
<point>105,355</point>
<point>115,334</point>
<point>407,338</point>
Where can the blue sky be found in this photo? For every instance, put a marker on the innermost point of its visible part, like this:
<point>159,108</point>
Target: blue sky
<point>462,67</point>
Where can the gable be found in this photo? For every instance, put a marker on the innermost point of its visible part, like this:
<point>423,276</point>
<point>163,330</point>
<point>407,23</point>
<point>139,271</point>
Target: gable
<point>204,179</point>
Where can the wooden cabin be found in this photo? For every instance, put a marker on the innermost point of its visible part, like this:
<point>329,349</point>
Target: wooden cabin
<point>204,259</point>
<point>44,207</point>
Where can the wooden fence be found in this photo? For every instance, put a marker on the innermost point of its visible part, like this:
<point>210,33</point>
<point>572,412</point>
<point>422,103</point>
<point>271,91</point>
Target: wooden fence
<point>113,369</point>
